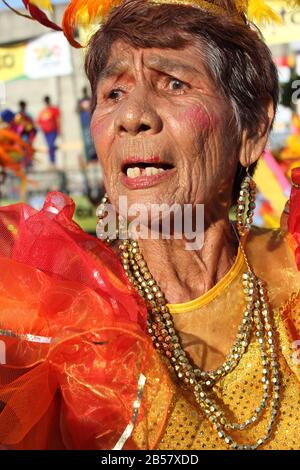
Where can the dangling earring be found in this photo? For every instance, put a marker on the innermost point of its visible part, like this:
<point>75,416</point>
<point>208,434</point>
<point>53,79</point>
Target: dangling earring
<point>246,205</point>
<point>101,213</point>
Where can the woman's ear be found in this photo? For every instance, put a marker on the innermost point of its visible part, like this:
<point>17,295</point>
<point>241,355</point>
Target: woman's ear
<point>252,147</point>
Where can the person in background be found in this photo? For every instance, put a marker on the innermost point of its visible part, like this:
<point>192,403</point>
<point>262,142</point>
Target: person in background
<point>21,122</point>
<point>25,122</point>
<point>84,103</point>
<point>49,122</point>
<point>7,117</point>
<point>20,125</point>
<point>84,111</point>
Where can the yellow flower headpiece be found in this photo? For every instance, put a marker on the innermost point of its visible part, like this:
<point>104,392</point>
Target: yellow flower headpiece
<point>90,12</point>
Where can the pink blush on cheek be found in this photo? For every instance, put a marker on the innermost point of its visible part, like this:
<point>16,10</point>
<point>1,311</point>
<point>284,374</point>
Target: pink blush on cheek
<point>199,117</point>
<point>102,130</point>
<point>102,135</point>
<point>97,128</point>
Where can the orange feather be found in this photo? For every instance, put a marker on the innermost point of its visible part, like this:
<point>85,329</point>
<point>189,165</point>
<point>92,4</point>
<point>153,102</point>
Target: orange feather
<point>80,12</point>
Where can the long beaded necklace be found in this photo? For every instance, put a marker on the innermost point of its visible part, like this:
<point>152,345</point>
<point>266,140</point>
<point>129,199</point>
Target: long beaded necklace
<point>256,321</point>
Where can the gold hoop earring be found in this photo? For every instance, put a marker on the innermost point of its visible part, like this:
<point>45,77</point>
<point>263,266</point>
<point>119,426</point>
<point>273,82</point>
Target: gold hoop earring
<point>246,205</point>
<point>101,213</point>
<point>106,236</point>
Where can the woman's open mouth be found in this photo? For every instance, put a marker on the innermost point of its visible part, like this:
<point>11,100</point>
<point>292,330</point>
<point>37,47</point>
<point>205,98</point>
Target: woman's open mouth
<point>138,175</point>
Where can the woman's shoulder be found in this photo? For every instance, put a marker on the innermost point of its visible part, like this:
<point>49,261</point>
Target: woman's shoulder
<point>271,253</point>
<point>274,245</point>
<point>272,256</point>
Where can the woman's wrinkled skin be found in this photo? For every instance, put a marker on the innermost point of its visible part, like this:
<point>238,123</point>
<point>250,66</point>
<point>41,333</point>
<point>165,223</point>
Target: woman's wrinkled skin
<point>179,115</point>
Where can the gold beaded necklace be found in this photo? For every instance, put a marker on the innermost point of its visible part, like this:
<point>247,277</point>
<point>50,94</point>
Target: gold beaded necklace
<point>256,321</point>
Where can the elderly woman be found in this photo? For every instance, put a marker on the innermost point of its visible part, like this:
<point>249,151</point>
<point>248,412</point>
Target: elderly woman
<point>177,348</point>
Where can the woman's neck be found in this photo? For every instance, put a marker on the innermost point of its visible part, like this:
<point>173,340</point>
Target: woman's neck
<point>184,274</point>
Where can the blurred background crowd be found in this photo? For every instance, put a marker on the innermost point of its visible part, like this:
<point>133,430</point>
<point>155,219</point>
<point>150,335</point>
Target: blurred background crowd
<point>45,142</point>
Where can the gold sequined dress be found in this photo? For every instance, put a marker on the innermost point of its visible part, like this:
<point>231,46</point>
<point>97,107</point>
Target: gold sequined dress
<point>240,392</point>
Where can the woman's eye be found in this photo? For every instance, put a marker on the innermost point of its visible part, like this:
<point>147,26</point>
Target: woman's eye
<point>113,94</point>
<point>176,84</point>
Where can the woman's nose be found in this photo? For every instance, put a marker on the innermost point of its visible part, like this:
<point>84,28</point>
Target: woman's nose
<point>137,118</point>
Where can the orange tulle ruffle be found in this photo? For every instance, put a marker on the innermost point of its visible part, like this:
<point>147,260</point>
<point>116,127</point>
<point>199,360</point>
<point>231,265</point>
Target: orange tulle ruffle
<point>73,340</point>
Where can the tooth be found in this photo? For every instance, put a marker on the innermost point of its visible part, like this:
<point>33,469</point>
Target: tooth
<point>133,172</point>
<point>161,170</point>
<point>137,172</point>
<point>150,170</point>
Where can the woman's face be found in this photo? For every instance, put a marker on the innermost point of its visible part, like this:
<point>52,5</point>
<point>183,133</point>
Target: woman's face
<point>161,129</point>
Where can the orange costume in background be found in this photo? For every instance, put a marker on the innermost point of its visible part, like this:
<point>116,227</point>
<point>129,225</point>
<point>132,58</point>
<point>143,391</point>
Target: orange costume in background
<point>79,370</point>
<point>14,152</point>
